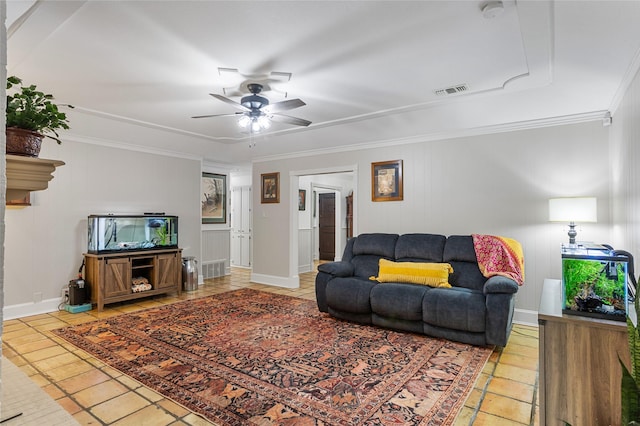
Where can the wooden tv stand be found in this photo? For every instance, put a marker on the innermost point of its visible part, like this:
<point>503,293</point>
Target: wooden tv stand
<point>109,275</point>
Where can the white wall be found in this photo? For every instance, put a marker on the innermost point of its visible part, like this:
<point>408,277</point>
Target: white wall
<point>305,227</point>
<point>495,184</point>
<point>45,242</point>
<point>625,172</point>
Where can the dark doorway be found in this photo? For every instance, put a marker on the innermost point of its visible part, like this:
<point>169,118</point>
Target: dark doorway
<point>327,226</point>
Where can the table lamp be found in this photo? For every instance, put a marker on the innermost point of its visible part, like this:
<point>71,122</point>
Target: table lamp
<point>572,210</point>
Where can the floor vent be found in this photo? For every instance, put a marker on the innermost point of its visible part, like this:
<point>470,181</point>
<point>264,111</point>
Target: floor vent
<point>459,88</point>
<point>213,269</point>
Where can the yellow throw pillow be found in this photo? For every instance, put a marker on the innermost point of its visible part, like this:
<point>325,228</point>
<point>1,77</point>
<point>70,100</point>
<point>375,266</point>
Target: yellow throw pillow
<point>431,274</point>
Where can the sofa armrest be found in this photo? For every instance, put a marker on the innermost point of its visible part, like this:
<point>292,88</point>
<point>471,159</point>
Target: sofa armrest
<point>337,269</point>
<point>500,284</point>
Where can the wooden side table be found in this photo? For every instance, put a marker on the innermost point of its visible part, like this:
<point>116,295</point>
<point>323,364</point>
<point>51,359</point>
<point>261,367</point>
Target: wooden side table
<point>580,375</point>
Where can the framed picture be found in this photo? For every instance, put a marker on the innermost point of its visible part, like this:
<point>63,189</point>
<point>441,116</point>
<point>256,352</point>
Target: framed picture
<point>214,198</point>
<point>386,181</point>
<point>302,199</point>
<point>270,188</point>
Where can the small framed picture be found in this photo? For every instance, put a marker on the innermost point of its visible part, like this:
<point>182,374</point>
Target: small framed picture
<point>214,198</point>
<point>270,188</point>
<point>302,199</point>
<point>386,181</point>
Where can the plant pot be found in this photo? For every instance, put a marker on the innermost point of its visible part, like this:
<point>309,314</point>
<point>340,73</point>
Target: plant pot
<point>23,142</point>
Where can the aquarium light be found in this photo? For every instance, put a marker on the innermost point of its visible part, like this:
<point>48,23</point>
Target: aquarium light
<point>572,210</point>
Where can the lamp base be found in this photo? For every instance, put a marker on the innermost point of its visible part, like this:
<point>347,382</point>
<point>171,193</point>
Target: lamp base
<point>572,234</point>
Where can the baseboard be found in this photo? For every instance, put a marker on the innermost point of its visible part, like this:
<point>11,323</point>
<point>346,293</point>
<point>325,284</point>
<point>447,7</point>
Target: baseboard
<point>287,282</point>
<point>28,309</point>
<point>302,269</point>
<point>525,317</point>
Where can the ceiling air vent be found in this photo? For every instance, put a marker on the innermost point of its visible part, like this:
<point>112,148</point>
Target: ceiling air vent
<point>458,88</point>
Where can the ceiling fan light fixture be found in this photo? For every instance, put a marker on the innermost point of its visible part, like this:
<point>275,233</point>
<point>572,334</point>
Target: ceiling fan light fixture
<point>256,112</point>
<point>264,122</point>
<point>244,121</point>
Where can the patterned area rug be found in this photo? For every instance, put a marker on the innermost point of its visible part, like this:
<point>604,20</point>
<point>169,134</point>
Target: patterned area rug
<point>252,357</point>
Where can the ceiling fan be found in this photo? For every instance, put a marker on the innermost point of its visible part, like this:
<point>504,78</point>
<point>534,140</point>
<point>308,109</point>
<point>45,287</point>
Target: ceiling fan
<point>256,113</point>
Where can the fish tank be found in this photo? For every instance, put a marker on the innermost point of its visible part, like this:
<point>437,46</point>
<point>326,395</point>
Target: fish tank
<point>116,233</point>
<point>594,282</point>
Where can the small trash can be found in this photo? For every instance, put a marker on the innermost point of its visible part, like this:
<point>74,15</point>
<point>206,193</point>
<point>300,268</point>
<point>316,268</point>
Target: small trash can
<point>189,273</point>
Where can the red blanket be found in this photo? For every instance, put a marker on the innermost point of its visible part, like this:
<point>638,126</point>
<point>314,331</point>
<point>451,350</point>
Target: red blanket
<point>499,256</point>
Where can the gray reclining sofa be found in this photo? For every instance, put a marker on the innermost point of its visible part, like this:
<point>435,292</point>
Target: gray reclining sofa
<point>475,310</point>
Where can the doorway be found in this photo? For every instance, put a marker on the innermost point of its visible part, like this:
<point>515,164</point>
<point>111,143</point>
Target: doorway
<point>304,226</point>
<point>327,226</point>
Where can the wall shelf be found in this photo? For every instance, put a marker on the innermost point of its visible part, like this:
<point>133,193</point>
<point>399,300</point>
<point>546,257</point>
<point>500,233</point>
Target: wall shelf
<point>27,174</point>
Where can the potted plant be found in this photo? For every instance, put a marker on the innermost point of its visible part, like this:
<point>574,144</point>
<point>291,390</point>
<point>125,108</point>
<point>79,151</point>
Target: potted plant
<point>630,389</point>
<point>30,115</point>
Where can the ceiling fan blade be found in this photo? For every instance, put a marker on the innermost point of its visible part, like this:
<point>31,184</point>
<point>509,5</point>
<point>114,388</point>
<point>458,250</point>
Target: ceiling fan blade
<point>217,115</point>
<point>290,120</point>
<point>230,102</point>
<point>283,106</point>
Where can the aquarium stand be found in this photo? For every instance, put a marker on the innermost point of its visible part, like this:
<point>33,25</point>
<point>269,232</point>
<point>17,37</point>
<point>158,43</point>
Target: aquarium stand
<point>580,373</point>
<point>110,276</point>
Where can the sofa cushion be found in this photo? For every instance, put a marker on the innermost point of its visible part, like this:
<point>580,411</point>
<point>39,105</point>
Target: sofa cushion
<point>368,249</point>
<point>459,247</point>
<point>431,274</point>
<point>460,253</point>
<point>383,245</point>
<point>400,301</point>
<point>420,248</point>
<point>339,269</point>
<point>467,275</point>
<point>365,265</point>
<point>455,308</point>
<point>350,294</point>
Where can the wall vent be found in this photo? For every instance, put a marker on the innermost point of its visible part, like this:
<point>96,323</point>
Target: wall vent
<point>458,88</point>
<point>213,269</point>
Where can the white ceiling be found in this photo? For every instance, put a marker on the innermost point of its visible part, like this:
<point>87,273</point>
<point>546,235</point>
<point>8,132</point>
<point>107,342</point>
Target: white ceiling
<point>137,71</point>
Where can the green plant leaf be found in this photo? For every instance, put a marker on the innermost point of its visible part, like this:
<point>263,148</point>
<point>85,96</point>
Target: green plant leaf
<point>30,109</point>
<point>630,396</point>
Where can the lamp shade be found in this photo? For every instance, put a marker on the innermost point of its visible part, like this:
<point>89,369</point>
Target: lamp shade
<point>573,209</point>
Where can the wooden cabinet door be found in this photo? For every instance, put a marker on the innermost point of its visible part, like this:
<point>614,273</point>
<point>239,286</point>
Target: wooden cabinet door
<point>117,277</point>
<point>168,270</point>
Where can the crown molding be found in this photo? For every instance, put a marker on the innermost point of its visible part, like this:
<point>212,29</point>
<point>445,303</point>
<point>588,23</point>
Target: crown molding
<point>129,147</point>
<point>206,165</point>
<point>626,82</point>
<point>429,137</point>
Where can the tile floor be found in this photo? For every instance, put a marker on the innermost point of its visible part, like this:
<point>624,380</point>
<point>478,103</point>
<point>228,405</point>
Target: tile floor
<point>95,394</point>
